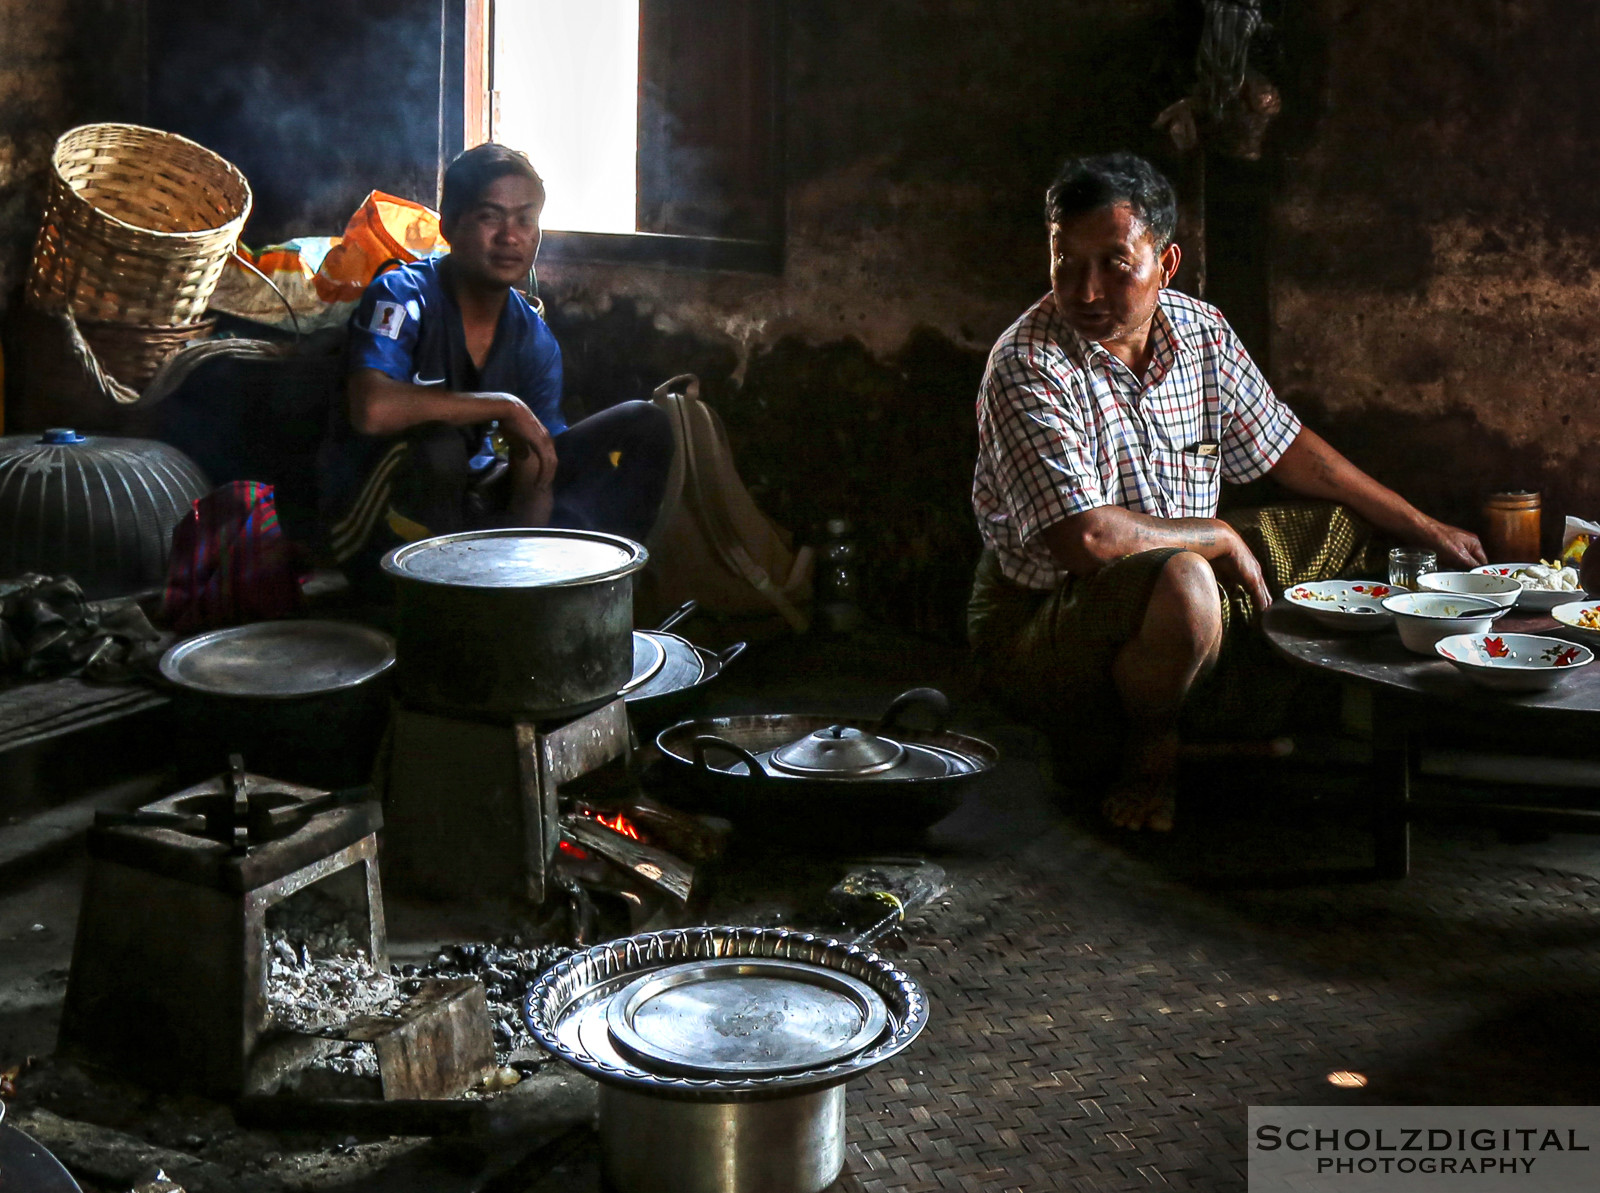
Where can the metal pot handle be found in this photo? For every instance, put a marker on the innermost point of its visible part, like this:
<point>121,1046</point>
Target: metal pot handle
<point>727,656</point>
<point>931,698</point>
<point>683,611</point>
<point>706,742</point>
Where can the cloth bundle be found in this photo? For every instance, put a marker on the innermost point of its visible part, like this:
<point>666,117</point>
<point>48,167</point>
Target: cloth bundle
<point>48,629</point>
<point>230,562</point>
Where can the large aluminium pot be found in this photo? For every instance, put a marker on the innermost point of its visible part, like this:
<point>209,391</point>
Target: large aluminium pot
<point>730,1114</point>
<point>820,780</point>
<point>514,624</point>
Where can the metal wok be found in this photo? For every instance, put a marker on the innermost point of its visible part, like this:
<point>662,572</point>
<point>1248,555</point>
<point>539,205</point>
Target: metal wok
<point>670,673</point>
<point>823,779</point>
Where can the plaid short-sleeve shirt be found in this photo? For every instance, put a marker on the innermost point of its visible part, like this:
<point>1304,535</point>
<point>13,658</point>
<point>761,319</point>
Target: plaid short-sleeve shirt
<point>1065,427</point>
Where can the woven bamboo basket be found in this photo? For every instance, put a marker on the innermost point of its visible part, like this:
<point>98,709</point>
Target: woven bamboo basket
<point>133,352</point>
<point>137,226</point>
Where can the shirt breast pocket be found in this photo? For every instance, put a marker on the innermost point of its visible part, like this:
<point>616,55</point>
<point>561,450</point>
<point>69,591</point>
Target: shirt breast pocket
<point>1202,483</point>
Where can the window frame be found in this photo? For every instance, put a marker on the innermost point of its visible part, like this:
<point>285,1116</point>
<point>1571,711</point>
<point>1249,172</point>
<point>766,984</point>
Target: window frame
<point>466,88</point>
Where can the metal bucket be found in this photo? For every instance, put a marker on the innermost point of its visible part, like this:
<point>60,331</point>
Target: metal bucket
<point>520,624</point>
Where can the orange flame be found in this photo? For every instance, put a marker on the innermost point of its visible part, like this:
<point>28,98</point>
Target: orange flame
<point>618,823</point>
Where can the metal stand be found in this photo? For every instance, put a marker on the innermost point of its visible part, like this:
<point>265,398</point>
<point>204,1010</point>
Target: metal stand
<point>167,982</point>
<point>470,807</point>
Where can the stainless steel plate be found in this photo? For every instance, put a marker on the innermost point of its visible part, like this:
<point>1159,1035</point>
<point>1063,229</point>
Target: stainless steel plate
<point>279,659</point>
<point>567,1009</point>
<point>516,558</point>
<point>648,656</point>
<point>739,1017</point>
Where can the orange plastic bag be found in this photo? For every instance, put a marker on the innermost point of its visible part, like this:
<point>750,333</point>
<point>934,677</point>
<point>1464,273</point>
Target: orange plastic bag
<point>384,228</point>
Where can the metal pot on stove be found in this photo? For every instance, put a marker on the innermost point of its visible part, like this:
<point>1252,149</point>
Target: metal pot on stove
<point>723,1053</point>
<point>818,777</point>
<point>515,623</point>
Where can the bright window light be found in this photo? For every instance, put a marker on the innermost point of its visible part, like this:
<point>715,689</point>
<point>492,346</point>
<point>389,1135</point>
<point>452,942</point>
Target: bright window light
<point>566,82</point>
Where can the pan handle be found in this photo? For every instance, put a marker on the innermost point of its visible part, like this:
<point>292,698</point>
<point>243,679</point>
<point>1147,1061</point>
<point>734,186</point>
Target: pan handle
<point>706,742</point>
<point>930,698</point>
<point>727,656</point>
<point>683,611</point>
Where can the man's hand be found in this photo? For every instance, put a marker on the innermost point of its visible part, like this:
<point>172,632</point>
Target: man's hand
<point>1237,565</point>
<point>1458,548</point>
<point>533,452</point>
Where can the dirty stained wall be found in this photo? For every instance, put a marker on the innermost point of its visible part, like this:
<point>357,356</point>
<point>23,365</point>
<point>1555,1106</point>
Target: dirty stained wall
<point>62,62</point>
<point>920,139</point>
<point>1427,284</point>
<point>1437,244</point>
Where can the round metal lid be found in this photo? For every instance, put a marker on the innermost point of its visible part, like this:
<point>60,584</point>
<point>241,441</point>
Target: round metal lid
<point>649,653</point>
<point>744,1017</point>
<point>516,558</point>
<point>279,659</point>
<point>681,666</point>
<point>839,750</point>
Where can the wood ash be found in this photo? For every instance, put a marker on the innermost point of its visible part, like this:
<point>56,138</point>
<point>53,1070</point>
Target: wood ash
<point>507,970</point>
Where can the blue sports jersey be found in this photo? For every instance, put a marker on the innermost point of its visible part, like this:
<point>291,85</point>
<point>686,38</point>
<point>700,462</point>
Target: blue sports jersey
<point>407,326</point>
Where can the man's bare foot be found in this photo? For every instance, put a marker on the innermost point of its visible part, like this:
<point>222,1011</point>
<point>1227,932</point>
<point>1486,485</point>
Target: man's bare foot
<point>1136,806</point>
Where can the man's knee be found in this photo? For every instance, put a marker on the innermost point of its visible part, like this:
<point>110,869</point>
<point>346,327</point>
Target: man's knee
<point>648,424</point>
<point>1185,602</point>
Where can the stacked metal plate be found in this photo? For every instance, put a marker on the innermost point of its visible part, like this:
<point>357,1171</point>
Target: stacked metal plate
<point>723,1053</point>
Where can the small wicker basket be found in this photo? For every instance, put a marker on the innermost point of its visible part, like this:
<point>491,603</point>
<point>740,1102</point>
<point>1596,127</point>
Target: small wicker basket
<point>137,226</point>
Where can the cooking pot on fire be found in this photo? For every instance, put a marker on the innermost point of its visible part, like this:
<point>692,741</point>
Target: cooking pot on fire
<point>515,623</point>
<point>821,778</point>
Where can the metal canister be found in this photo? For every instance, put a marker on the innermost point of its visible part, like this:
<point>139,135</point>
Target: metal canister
<point>1511,527</point>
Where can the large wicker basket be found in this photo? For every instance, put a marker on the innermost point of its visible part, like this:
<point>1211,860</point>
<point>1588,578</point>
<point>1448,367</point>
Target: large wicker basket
<point>137,226</point>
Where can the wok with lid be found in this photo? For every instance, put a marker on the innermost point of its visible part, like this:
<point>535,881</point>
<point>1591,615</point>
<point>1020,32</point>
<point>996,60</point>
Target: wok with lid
<point>819,776</point>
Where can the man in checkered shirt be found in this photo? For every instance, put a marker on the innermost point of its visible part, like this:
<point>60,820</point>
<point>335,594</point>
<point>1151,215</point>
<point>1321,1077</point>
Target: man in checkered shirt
<point>1111,599</point>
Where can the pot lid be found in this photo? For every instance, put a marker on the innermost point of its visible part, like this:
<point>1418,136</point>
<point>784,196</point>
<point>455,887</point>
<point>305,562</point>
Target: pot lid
<point>744,1017</point>
<point>649,653</point>
<point>839,750</point>
<point>516,558</point>
<point>680,665</point>
<point>279,659</point>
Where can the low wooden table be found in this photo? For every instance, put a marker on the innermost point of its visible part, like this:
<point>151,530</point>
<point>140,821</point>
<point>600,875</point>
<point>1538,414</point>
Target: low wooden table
<point>1417,698</point>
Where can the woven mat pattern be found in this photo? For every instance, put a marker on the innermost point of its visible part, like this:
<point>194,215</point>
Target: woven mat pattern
<point>1097,1028</point>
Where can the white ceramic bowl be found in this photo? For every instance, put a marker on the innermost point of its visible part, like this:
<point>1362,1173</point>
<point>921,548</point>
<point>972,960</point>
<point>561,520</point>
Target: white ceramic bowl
<point>1343,604</point>
<point>1425,617</point>
<point>1514,662</point>
<point>1568,615</point>
<point>1502,590</point>
<point>1531,600</point>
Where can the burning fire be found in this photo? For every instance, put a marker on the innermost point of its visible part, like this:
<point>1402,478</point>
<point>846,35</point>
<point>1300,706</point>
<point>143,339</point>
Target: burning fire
<point>617,823</point>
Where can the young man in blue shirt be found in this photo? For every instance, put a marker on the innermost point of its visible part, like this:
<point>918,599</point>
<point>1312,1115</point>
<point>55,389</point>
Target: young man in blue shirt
<point>454,393</point>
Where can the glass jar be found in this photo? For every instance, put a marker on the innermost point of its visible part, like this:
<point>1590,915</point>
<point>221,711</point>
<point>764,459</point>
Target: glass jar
<point>1511,527</point>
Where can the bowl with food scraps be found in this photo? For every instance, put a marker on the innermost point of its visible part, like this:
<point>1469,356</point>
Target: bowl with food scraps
<point>1581,617</point>
<point>1514,662</point>
<point>1502,590</point>
<point>1544,585</point>
<point>1343,604</point>
<point>1425,617</point>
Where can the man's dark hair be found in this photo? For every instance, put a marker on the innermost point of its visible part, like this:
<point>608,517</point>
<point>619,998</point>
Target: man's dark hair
<point>474,172</point>
<point>1088,184</point>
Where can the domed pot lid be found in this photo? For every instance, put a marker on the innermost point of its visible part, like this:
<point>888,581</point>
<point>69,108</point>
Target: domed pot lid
<point>839,751</point>
<point>744,1017</point>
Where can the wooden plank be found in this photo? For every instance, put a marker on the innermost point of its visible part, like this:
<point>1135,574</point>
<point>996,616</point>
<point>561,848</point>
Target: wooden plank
<point>34,712</point>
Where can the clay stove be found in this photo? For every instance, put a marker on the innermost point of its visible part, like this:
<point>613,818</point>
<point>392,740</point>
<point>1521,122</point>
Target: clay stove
<point>167,983</point>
